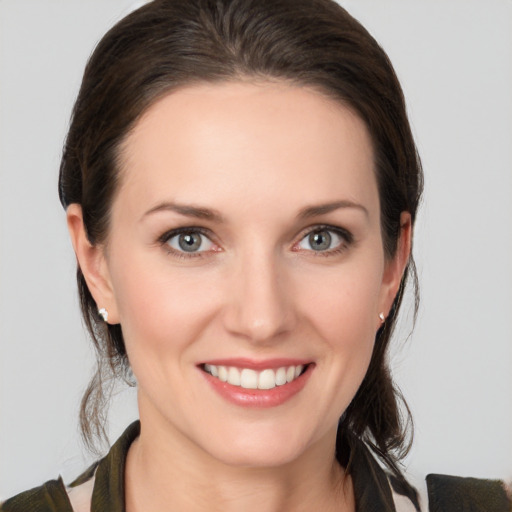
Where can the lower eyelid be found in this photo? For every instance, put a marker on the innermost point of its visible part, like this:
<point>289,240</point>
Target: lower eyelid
<point>184,255</point>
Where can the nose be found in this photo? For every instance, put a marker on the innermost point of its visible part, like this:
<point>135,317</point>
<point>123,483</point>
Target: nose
<point>259,304</point>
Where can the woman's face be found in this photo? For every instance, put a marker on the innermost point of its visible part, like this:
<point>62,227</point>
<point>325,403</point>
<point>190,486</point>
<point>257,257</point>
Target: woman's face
<point>245,244</point>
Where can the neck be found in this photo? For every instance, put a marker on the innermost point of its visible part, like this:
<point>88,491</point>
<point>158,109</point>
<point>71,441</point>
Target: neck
<point>165,471</point>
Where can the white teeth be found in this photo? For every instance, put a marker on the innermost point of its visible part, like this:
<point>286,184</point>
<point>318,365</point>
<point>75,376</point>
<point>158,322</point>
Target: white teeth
<point>267,379</point>
<point>281,376</point>
<point>251,379</point>
<point>223,373</point>
<point>234,376</point>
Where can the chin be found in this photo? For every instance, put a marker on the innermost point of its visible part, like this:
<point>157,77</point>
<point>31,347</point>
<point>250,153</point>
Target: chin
<point>256,456</point>
<point>260,447</point>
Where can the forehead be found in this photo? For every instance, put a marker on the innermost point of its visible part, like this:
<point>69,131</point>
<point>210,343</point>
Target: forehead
<point>259,141</point>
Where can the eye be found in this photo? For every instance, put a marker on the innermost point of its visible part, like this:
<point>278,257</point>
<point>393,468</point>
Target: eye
<point>189,241</point>
<point>325,240</point>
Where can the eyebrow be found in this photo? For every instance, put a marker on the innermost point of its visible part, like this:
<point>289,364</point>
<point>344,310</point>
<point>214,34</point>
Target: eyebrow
<point>197,212</point>
<point>323,209</point>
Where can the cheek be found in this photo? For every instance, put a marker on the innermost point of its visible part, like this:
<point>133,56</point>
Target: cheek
<point>161,310</point>
<point>346,302</point>
<point>344,320</point>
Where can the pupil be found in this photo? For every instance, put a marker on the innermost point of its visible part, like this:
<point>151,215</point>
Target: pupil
<point>320,241</point>
<point>190,242</point>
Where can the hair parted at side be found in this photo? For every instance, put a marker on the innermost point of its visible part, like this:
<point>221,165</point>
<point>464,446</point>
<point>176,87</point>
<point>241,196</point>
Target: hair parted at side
<point>167,44</point>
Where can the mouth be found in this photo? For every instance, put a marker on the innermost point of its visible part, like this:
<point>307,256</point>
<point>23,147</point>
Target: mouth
<point>257,384</point>
<point>249,378</point>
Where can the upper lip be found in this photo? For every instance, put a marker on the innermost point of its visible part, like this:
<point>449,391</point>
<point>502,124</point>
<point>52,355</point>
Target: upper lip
<point>254,364</point>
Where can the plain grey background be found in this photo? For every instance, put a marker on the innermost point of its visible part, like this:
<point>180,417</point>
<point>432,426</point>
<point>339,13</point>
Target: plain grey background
<point>454,59</point>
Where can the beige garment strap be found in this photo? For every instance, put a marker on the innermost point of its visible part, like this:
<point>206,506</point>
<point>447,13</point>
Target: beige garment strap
<point>404,504</point>
<point>81,496</point>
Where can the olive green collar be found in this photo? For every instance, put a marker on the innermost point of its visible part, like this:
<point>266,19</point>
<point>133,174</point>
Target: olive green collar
<point>108,493</point>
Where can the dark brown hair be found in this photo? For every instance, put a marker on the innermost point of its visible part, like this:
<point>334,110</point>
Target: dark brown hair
<point>168,44</point>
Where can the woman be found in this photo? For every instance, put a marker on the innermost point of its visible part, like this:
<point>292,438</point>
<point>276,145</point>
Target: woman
<point>241,185</point>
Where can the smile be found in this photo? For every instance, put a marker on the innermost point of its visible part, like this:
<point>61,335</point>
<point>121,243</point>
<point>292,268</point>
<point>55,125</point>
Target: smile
<point>248,378</point>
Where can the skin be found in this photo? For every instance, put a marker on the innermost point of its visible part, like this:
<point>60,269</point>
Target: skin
<point>257,154</point>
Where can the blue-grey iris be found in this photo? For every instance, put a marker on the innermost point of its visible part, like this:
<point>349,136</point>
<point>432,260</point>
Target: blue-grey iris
<point>190,242</point>
<point>320,240</point>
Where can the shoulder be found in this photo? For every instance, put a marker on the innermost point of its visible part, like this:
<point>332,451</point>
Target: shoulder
<point>49,497</point>
<point>99,488</point>
<point>55,496</point>
<point>459,494</point>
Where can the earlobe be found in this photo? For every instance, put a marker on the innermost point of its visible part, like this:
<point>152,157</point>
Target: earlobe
<point>395,267</point>
<point>92,262</point>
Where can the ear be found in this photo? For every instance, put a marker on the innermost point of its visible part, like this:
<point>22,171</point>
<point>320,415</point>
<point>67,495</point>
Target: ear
<point>395,267</point>
<point>92,262</point>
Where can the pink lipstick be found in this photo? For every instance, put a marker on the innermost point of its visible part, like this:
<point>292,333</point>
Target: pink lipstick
<point>258,384</point>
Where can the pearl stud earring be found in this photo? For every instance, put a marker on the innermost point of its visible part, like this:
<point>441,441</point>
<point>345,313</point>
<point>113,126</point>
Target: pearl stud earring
<point>103,313</point>
<point>382,317</point>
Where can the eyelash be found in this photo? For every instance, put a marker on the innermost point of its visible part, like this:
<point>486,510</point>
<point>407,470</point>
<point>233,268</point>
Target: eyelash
<point>346,236</point>
<point>164,239</point>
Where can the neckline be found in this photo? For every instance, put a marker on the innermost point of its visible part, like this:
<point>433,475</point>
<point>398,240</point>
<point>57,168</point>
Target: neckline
<point>372,489</point>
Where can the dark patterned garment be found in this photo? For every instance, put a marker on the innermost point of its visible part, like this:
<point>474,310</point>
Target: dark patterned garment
<point>374,490</point>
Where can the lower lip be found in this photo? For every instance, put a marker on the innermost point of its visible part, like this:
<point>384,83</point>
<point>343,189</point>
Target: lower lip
<point>259,398</point>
